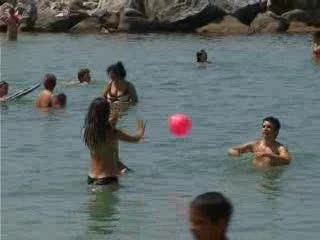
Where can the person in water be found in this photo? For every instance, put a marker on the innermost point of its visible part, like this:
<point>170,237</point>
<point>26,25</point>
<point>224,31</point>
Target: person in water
<point>266,151</point>
<point>4,89</point>
<point>316,44</point>
<point>45,98</point>
<point>12,21</point>
<point>102,139</point>
<point>59,101</point>
<point>118,89</point>
<point>84,76</point>
<point>209,216</point>
<point>202,56</point>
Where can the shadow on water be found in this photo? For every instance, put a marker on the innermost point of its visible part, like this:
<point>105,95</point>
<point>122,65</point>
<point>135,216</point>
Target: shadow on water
<point>102,209</point>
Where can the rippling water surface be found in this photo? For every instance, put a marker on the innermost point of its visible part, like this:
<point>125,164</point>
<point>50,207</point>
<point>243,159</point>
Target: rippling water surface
<point>44,163</point>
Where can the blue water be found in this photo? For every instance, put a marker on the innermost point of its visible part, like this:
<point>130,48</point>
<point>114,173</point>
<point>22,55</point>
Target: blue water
<point>44,162</point>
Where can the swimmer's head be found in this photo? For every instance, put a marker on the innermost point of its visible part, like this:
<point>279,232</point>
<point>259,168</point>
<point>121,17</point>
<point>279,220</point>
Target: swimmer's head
<point>202,56</point>
<point>49,81</point>
<point>59,100</point>
<point>96,123</point>
<point>84,75</point>
<point>270,127</point>
<point>209,216</point>
<point>4,88</point>
<point>116,71</point>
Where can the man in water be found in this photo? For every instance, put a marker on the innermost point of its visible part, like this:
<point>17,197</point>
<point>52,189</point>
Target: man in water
<point>209,216</point>
<point>4,89</point>
<point>45,98</point>
<point>84,76</point>
<point>266,151</point>
<point>12,21</point>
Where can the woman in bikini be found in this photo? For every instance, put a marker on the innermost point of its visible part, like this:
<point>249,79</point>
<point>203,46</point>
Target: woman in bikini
<point>102,139</point>
<point>118,89</point>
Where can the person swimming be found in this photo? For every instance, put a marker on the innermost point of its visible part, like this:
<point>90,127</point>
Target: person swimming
<point>118,89</point>
<point>102,139</point>
<point>59,101</point>
<point>45,98</point>
<point>202,56</point>
<point>266,151</point>
<point>84,78</point>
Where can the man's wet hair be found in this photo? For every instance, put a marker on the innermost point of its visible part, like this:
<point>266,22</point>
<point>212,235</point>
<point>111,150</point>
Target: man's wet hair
<point>49,81</point>
<point>274,121</point>
<point>213,205</point>
<point>83,72</point>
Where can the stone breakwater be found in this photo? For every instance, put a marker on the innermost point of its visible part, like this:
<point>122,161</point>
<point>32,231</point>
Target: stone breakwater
<point>219,17</point>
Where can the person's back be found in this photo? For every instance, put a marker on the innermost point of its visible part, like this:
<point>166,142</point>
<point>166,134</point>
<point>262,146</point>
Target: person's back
<point>45,98</point>
<point>102,139</point>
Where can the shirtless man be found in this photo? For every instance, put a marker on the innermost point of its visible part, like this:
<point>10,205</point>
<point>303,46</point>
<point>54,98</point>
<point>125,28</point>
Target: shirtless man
<point>45,98</point>
<point>4,88</point>
<point>266,151</point>
<point>12,22</point>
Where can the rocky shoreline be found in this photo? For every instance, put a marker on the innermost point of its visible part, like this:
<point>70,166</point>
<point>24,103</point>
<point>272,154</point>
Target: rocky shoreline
<point>217,17</point>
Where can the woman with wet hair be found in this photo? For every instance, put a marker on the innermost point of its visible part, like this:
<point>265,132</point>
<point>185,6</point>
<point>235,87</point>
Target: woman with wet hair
<point>118,88</point>
<point>102,139</point>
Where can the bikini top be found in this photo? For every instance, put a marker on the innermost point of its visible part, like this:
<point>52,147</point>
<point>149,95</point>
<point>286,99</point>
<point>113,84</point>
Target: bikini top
<point>124,97</point>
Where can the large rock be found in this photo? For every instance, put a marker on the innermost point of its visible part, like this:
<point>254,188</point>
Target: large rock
<point>28,10</point>
<point>264,23</point>
<point>282,6</point>
<point>300,27</point>
<point>89,25</point>
<point>170,15</point>
<point>60,16</point>
<point>229,25</point>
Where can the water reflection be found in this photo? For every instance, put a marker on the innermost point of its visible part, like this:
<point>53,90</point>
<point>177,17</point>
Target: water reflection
<point>271,179</point>
<point>103,213</point>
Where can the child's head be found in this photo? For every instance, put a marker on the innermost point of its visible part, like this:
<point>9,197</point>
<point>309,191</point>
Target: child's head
<point>97,123</point>
<point>59,100</point>
<point>209,216</point>
<point>4,88</point>
<point>49,81</point>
